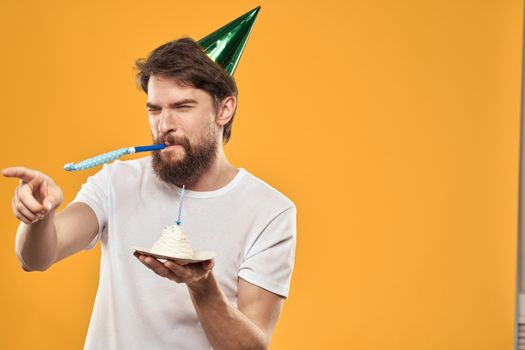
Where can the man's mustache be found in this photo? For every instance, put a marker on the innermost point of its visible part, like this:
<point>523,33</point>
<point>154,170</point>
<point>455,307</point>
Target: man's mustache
<point>172,140</point>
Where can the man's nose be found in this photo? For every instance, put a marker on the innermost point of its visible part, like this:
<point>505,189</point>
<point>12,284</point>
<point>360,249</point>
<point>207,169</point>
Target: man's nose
<point>165,123</point>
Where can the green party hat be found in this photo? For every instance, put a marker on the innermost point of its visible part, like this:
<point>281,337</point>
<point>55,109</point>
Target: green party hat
<point>226,44</point>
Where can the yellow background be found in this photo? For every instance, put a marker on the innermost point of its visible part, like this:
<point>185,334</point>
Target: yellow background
<point>393,125</point>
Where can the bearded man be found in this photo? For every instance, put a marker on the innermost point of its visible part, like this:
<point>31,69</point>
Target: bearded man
<point>230,302</point>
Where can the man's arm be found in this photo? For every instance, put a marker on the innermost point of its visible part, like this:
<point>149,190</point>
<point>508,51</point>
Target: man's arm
<point>55,237</point>
<point>249,326</point>
<point>44,238</point>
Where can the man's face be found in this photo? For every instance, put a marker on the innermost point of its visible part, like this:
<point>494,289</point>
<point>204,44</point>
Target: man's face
<point>183,118</point>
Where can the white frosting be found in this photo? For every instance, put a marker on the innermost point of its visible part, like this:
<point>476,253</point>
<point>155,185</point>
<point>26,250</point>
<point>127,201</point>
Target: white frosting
<point>173,242</point>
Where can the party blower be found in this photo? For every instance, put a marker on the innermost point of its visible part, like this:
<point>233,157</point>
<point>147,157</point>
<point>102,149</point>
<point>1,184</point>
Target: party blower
<point>108,157</point>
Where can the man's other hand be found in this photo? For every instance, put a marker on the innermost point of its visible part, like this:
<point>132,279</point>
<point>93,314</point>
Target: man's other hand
<point>191,274</point>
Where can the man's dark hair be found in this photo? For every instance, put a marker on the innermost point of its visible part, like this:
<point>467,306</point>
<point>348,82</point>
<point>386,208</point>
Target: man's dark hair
<point>184,61</point>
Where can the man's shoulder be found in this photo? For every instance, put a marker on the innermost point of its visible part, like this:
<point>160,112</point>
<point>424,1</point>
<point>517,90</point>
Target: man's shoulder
<point>263,191</point>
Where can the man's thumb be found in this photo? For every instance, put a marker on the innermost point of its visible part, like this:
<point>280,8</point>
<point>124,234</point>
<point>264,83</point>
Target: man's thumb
<point>48,203</point>
<point>208,264</point>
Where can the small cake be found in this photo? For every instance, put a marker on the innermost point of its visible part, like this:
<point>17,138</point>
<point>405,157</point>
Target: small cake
<point>173,242</point>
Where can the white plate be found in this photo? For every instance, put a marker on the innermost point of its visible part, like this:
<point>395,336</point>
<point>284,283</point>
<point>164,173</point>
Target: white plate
<point>197,256</point>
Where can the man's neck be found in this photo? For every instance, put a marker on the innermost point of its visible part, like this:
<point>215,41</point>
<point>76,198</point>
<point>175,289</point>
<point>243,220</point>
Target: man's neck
<point>219,174</point>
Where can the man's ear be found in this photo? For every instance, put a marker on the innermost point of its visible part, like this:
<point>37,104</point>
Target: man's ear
<point>226,109</point>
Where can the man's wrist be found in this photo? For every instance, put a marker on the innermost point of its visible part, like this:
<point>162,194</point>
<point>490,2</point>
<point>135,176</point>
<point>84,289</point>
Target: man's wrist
<point>203,286</point>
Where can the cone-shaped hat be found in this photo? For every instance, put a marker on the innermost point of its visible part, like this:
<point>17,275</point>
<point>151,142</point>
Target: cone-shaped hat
<point>226,44</point>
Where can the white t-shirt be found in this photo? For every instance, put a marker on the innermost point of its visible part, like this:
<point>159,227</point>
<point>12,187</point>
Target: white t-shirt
<point>249,224</point>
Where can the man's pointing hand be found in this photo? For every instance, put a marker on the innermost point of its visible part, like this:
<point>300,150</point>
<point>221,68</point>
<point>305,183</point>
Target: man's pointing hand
<point>35,196</point>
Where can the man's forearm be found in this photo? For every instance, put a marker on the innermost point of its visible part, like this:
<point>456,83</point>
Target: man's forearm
<point>226,327</point>
<point>36,244</point>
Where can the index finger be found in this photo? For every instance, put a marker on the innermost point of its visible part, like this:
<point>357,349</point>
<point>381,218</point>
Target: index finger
<point>20,172</point>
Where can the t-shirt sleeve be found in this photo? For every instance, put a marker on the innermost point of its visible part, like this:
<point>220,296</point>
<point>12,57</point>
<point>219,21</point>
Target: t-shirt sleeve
<point>269,262</point>
<point>94,193</point>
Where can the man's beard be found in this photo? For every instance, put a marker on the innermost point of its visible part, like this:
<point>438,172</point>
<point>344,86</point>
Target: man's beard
<point>196,160</point>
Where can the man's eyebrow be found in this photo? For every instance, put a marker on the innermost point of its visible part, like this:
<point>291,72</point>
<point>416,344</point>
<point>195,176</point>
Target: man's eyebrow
<point>172,105</point>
